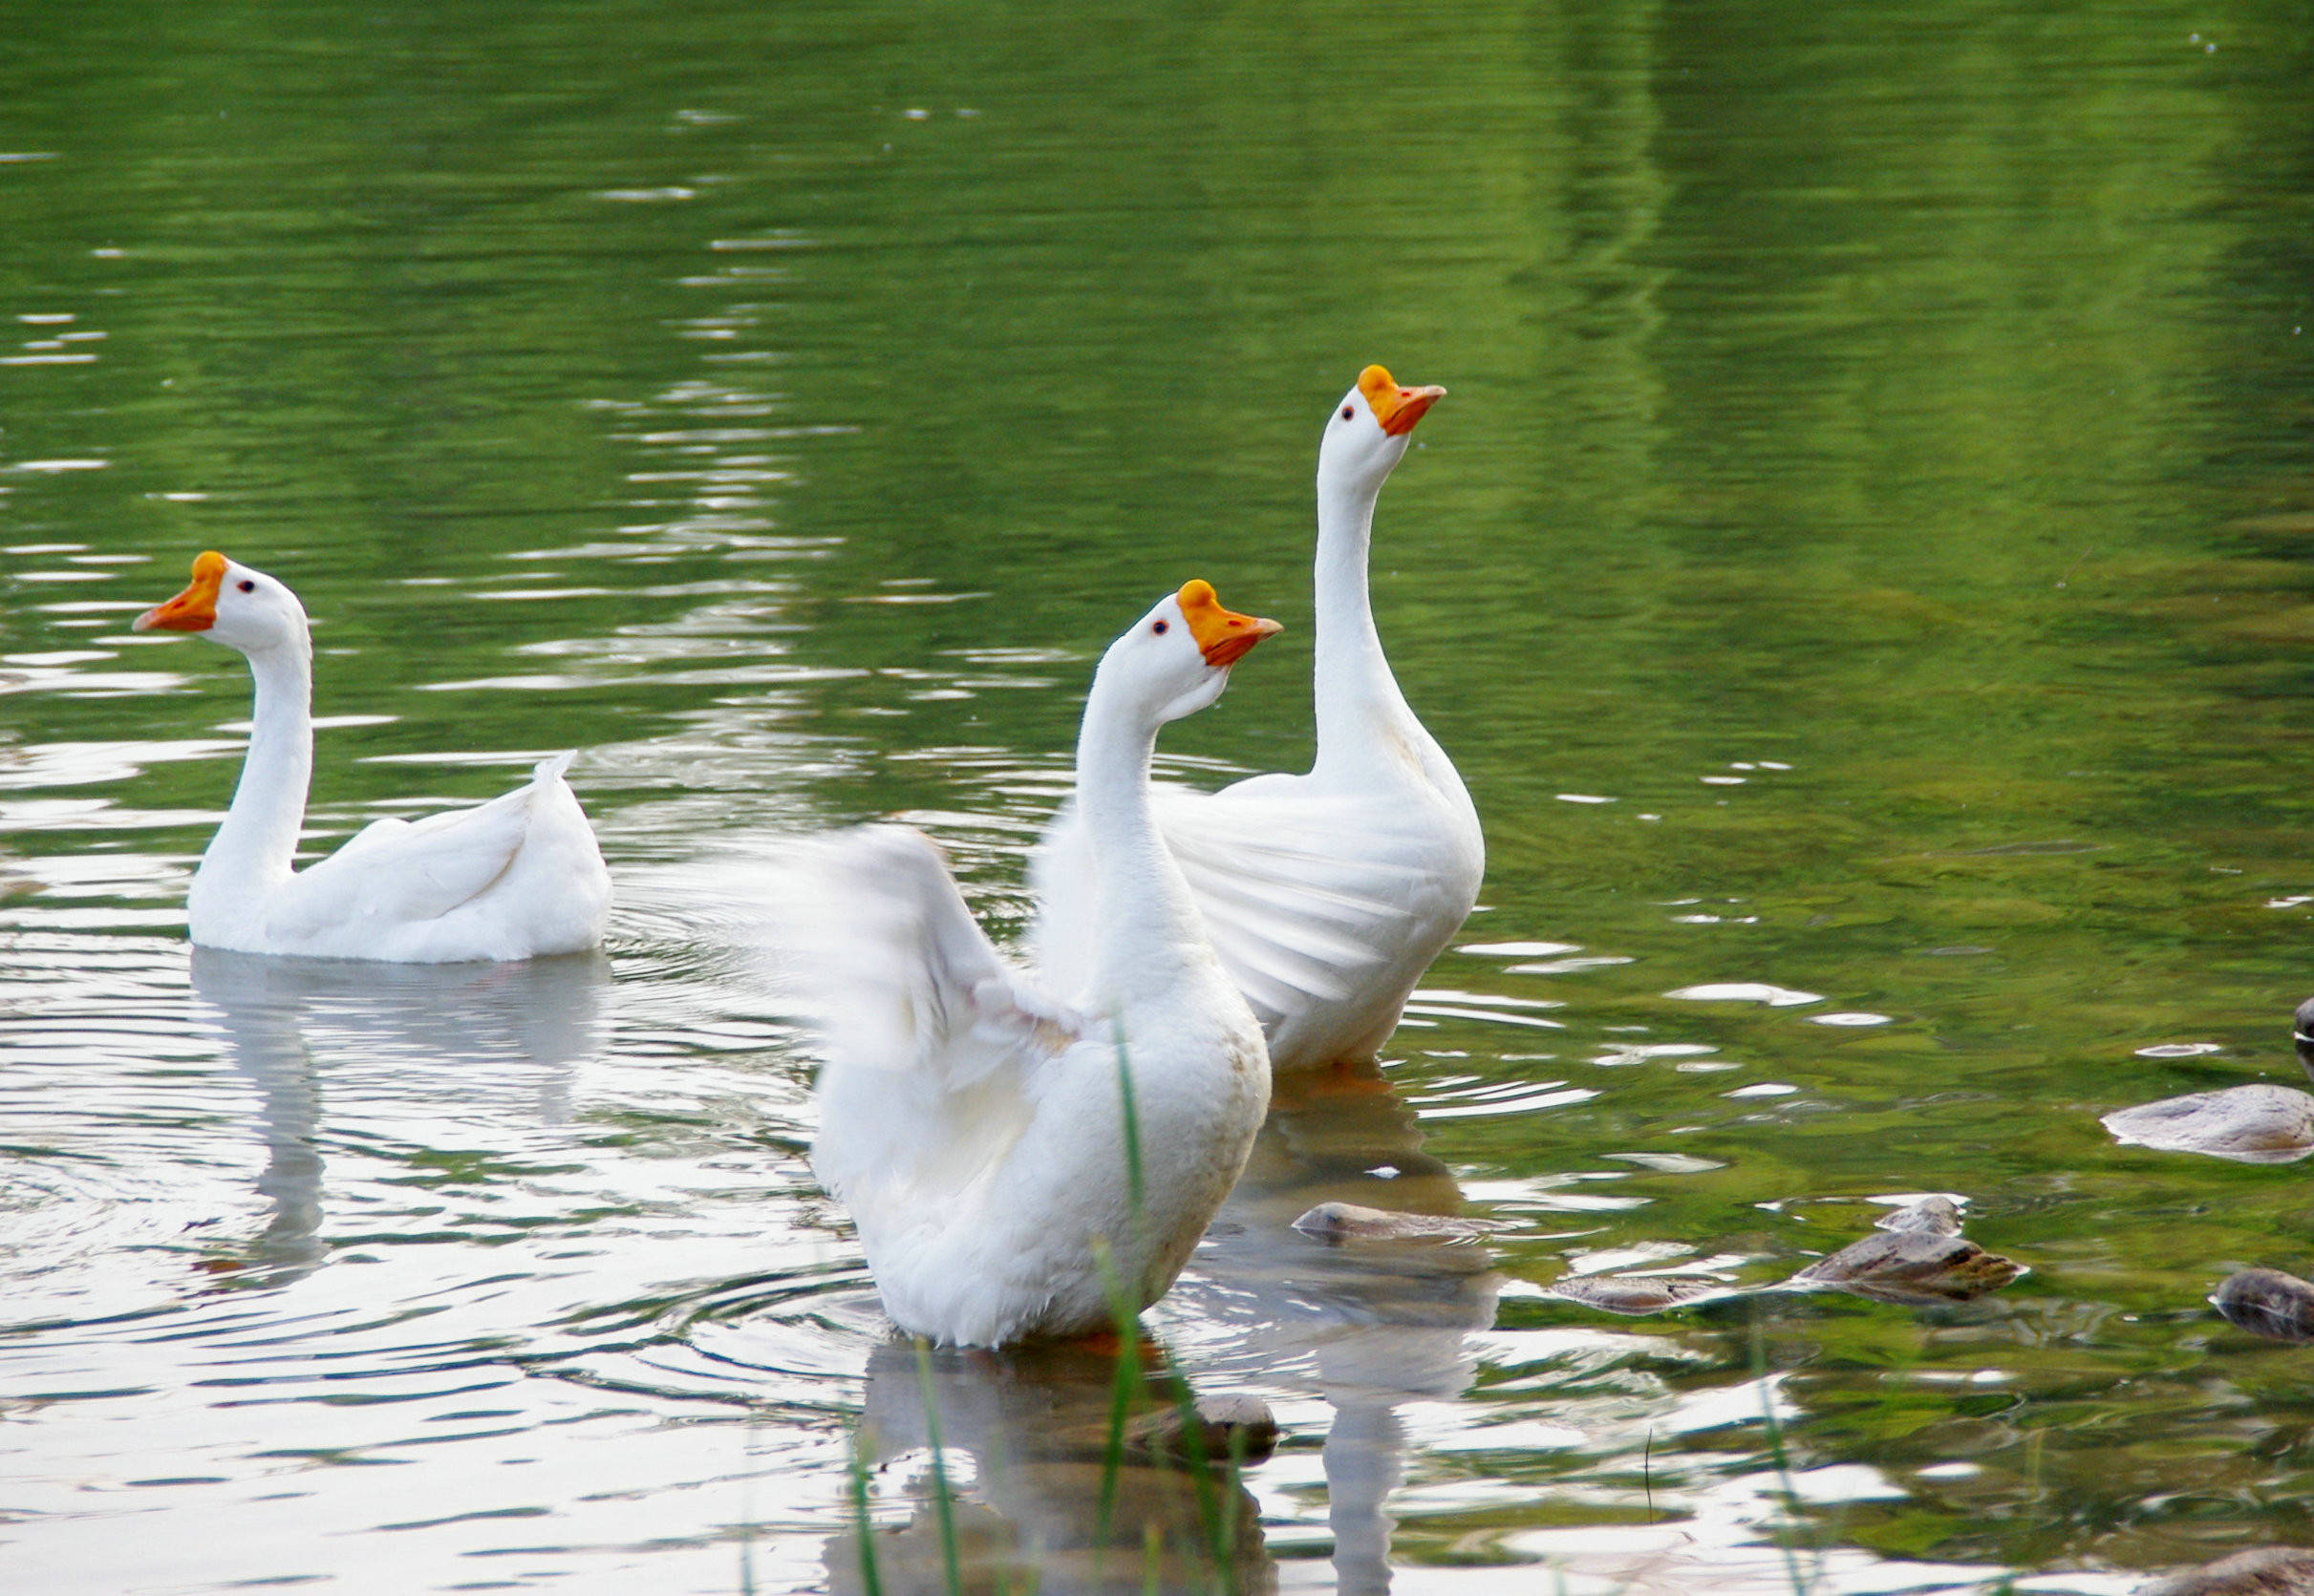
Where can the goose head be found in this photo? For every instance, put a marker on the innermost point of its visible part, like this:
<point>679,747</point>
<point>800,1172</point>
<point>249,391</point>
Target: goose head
<point>240,607</point>
<point>1370,428</point>
<point>1175,660</point>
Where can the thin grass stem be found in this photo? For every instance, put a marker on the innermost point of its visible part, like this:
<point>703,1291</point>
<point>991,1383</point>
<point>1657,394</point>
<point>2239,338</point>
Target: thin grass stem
<point>1136,1177</point>
<point>871,1578</point>
<point>1202,1485</point>
<point>1123,1386</point>
<point>1787,1537</point>
<point>1647,1472</point>
<point>950,1558</point>
<point>1215,1512</point>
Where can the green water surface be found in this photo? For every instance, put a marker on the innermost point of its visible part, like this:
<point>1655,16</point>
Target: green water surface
<point>1862,558</point>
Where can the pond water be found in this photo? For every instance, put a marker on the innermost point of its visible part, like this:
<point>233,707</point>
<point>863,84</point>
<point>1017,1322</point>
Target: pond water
<point>1861,569</point>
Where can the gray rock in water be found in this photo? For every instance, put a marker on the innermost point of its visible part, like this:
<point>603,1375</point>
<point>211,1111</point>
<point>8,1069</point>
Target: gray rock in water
<point>1937,1216</point>
<point>2269,1303</point>
<point>1221,1428</point>
<point>2267,1571</point>
<point>1635,1293</point>
<point>2250,1124</point>
<point>1343,1222</point>
<point>1913,1267</point>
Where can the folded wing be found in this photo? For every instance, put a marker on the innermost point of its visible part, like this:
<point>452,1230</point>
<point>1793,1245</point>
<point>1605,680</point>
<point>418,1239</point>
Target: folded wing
<point>1302,897</point>
<point>396,873</point>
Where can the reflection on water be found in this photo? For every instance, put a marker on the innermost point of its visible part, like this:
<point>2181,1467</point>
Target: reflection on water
<point>1366,1325</point>
<point>488,1026</point>
<point>1864,582</point>
<point>1027,1433</point>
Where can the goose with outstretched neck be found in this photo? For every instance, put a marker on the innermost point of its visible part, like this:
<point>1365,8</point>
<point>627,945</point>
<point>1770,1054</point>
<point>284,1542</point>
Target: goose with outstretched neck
<point>1327,894</point>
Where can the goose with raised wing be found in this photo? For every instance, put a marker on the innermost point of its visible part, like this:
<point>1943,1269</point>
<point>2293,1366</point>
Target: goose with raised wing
<point>515,877</point>
<point>973,1116</point>
<point>1327,894</point>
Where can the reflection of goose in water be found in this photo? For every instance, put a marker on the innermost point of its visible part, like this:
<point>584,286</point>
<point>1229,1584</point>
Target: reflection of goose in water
<point>1370,1326</point>
<point>458,1021</point>
<point>1034,1424</point>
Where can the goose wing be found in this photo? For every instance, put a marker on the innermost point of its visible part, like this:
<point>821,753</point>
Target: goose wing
<point>935,1043</point>
<point>908,980</point>
<point>396,872</point>
<point>1301,894</point>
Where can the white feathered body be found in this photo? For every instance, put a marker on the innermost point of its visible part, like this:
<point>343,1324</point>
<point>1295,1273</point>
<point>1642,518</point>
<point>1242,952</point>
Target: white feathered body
<point>515,877</point>
<point>974,1115</point>
<point>519,877</point>
<point>1325,906</point>
<point>1326,895</point>
<point>974,1126</point>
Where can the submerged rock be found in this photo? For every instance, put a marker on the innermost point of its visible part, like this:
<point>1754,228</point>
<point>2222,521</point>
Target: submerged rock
<point>2269,1303</point>
<point>2260,1123</point>
<point>1913,1267</point>
<point>1343,1222</point>
<point>1635,1293</point>
<point>1937,1216</point>
<point>1219,1429</point>
<point>2267,1571</point>
<point>1915,1258</point>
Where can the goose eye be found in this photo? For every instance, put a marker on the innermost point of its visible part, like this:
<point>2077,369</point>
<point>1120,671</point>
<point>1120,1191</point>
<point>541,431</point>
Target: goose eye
<point>1161,627</point>
<point>1347,413</point>
<point>247,587</point>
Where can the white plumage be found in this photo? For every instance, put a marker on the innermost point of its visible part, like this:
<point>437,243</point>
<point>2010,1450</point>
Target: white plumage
<point>1327,894</point>
<point>514,878</point>
<point>972,1114</point>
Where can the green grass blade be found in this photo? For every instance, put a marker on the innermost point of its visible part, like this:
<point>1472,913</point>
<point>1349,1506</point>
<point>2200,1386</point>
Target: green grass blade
<point>951,1560</point>
<point>1786,1539</point>
<point>871,1578</point>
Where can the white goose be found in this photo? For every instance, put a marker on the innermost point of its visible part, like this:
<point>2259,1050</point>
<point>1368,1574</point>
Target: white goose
<point>972,1113</point>
<point>516,877</point>
<point>1327,895</point>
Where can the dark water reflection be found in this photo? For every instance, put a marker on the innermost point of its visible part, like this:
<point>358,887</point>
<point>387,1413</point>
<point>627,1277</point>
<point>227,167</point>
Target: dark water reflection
<point>1046,1506</point>
<point>1860,570</point>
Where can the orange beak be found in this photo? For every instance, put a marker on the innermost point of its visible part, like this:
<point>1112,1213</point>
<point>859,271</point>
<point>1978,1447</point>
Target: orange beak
<point>1396,408</point>
<point>1225,637</point>
<point>195,609</point>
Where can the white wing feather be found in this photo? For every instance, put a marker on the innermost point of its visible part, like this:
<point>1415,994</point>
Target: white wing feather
<point>912,980</point>
<point>934,1042</point>
<point>396,872</point>
<point>1303,896</point>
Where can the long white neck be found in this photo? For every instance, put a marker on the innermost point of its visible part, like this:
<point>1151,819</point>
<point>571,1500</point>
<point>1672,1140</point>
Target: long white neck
<point>255,849</point>
<point>1147,921</point>
<point>1358,704</point>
